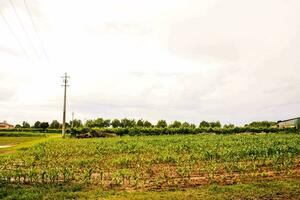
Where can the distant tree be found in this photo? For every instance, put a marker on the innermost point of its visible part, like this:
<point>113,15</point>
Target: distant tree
<point>44,125</point>
<point>37,124</point>
<point>192,125</point>
<point>127,122</point>
<point>18,126</point>
<point>175,124</point>
<point>185,125</point>
<point>147,124</point>
<point>106,123</point>
<point>115,123</point>
<point>262,124</point>
<point>161,124</point>
<point>76,123</point>
<point>67,125</point>
<point>204,124</point>
<point>297,124</point>
<point>89,123</point>
<point>99,122</point>
<point>140,123</point>
<point>215,124</point>
<point>25,125</point>
<point>228,126</point>
<point>54,124</point>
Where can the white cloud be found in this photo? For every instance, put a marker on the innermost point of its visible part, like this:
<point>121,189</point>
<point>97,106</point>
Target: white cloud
<point>233,61</point>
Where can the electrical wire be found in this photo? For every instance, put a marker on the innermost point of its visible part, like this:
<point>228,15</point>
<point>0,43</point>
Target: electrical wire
<point>13,33</point>
<point>35,29</point>
<point>23,27</point>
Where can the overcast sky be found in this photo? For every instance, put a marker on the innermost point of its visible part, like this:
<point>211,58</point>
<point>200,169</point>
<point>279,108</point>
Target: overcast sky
<point>190,60</point>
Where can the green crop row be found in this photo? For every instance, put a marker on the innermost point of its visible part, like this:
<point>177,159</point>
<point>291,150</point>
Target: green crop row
<point>153,161</point>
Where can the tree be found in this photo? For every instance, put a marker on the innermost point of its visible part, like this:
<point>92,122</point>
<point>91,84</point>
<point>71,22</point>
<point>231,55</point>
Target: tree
<point>127,122</point>
<point>175,124</point>
<point>140,123</point>
<point>37,124</point>
<point>89,123</point>
<point>228,126</point>
<point>215,124</point>
<point>106,123</point>
<point>185,125</point>
<point>193,126</point>
<point>76,123</point>
<point>262,124</point>
<point>204,124</point>
<point>55,124</point>
<point>99,122</point>
<point>297,124</point>
<point>18,126</point>
<point>25,125</point>
<point>44,125</point>
<point>147,124</point>
<point>115,123</point>
<point>161,124</point>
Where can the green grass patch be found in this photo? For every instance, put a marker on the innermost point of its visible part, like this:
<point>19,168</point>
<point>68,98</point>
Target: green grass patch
<point>21,134</point>
<point>22,141</point>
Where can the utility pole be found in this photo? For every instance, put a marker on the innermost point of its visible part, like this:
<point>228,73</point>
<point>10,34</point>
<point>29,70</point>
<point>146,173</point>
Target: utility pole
<point>72,125</point>
<point>65,85</point>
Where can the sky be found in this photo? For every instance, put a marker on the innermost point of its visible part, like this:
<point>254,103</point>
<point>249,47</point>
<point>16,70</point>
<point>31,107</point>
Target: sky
<point>189,60</point>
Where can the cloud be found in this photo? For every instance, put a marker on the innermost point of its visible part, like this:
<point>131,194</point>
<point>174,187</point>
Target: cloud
<point>188,60</point>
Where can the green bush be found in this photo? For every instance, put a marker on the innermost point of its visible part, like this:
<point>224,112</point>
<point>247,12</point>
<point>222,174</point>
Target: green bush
<point>134,131</point>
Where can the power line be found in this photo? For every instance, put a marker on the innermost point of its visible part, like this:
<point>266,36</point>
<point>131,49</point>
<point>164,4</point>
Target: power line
<point>35,29</point>
<point>13,33</point>
<point>23,27</point>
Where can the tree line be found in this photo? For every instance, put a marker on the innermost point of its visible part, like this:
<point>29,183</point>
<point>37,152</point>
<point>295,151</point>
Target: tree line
<point>131,123</point>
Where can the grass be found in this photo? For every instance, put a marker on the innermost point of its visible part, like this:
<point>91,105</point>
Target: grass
<point>23,142</point>
<point>252,191</point>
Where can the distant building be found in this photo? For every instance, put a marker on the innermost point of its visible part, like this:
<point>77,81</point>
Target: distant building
<point>289,123</point>
<point>5,125</point>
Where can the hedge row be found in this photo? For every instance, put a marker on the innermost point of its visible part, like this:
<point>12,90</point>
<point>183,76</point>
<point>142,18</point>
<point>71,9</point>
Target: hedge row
<point>172,131</point>
<point>32,130</point>
<point>21,134</point>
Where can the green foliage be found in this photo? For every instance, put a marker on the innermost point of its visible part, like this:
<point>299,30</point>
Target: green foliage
<point>127,123</point>
<point>44,125</point>
<point>25,125</point>
<point>161,124</point>
<point>115,123</point>
<point>140,123</point>
<point>215,124</point>
<point>18,126</point>
<point>175,124</point>
<point>76,123</point>
<point>99,122</point>
<point>139,162</point>
<point>228,126</point>
<point>298,124</point>
<point>55,124</point>
<point>37,124</point>
<point>147,124</point>
<point>204,124</point>
<point>262,124</point>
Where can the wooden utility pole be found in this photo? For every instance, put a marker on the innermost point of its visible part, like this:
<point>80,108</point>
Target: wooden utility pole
<point>65,85</point>
<point>72,125</point>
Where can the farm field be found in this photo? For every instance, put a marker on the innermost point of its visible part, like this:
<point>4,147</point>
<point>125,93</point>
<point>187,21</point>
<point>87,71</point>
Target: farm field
<point>11,142</point>
<point>179,166</point>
